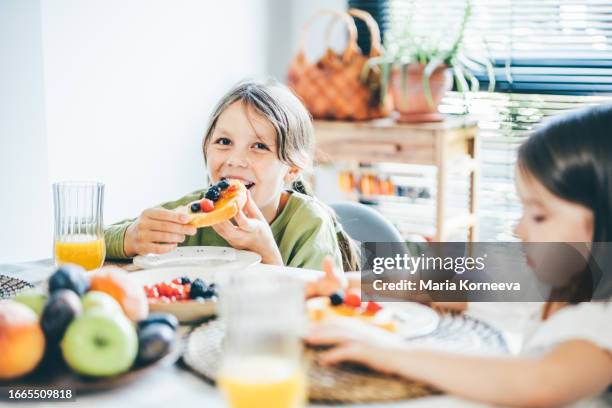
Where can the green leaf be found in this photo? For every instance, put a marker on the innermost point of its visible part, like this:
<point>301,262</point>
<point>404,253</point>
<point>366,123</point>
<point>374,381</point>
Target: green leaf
<point>427,72</point>
<point>474,83</point>
<point>404,81</point>
<point>462,84</point>
<point>385,71</point>
<point>486,62</point>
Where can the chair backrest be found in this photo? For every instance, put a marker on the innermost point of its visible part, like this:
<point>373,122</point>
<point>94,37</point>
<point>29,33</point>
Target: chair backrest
<point>364,224</point>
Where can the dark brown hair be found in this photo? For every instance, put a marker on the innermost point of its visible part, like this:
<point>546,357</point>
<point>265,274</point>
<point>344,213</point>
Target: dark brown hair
<point>571,156</point>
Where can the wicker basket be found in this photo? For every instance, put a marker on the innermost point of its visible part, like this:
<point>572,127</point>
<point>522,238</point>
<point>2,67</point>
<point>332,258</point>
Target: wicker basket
<point>335,87</point>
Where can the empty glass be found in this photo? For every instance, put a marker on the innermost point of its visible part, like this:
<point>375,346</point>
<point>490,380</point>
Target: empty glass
<point>79,231</point>
<point>262,364</point>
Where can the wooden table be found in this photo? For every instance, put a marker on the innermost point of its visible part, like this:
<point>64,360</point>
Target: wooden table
<point>173,386</point>
<point>435,144</point>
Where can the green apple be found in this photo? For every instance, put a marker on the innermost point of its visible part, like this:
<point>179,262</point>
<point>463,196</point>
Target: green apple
<point>100,344</point>
<point>35,299</point>
<point>100,300</point>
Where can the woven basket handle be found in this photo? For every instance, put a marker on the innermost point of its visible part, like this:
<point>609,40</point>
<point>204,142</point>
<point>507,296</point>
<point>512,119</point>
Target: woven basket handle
<point>375,45</point>
<point>351,46</point>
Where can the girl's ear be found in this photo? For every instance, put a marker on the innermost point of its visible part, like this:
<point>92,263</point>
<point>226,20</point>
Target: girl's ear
<point>292,174</point>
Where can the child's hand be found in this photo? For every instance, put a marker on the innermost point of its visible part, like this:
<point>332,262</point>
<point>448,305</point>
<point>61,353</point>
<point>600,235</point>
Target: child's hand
<point>156,231</point>
<point>330,283</point>
<point>354,341</point>
<point>252,233</point>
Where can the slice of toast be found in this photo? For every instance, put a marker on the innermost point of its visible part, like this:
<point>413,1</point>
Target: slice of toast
<point>231,200</point>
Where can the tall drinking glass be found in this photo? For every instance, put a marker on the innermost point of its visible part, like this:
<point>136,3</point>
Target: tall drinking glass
<point>262,365</point>
<point>79,231</point>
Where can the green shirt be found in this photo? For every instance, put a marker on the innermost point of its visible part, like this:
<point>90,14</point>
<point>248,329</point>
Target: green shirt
<point>304,232</point>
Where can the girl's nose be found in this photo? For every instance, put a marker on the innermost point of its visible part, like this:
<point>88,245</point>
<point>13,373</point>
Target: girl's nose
<point>519,230</point>
<point>237,160</point>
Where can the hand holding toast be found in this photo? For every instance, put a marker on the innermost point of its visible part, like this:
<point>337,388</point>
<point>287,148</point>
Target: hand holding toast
<point>156,231</point>
<point>251,232</point>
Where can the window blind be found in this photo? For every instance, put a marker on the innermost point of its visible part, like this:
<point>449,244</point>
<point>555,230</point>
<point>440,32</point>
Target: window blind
<point>544,46</point>
<point>550,56</point>
<point>505,120</point>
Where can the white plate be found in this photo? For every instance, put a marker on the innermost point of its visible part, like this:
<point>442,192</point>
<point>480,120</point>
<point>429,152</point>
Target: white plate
<point>201,256</point>
<point>413,319</point>
<point>410,319</point>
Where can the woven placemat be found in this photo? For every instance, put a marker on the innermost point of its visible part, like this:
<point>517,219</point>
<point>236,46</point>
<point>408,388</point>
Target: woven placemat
<point>350,383</point>
<point>10,286</point>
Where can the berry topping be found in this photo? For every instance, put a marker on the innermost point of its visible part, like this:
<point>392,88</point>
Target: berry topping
<point>223,184</point>
<point>336,299</point>
<point>372,307</point>
<point>207,205</point>
<point>198,288</point>
<point>213,193</point>
<point>195,207</point>
<point>352,299</point>
<point>185,280</point>
<point>208,293</point>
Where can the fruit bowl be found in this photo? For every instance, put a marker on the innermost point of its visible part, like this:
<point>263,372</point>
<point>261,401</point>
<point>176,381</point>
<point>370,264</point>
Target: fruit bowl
<point>83,331</point>
<point>53,373</point>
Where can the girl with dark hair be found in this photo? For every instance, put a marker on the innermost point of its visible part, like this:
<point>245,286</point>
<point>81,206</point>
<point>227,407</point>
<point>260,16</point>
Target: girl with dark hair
<point>261,134</point>
<point>564,180</point>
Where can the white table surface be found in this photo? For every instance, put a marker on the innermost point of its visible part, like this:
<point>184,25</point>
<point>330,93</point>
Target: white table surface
<point>173,386</point>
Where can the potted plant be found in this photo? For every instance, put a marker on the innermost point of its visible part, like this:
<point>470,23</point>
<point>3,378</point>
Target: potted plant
<point>417,69</point>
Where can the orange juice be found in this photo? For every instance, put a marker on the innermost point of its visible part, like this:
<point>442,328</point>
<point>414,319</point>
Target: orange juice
<point>85,251</point>
<point>263,382</point>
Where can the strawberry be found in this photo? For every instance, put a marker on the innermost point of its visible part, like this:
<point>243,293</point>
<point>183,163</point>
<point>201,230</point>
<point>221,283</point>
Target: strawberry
<point>352,299</point>
<point>207,205</point>
<point>372,307</point>
<point>152,293</point>
<point>165,289</point>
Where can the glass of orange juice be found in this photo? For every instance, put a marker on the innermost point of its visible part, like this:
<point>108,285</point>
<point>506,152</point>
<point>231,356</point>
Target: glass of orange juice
<point>78,229</point>
<point>262,366</point>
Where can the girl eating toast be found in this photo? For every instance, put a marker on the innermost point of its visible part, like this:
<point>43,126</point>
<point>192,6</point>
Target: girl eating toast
<point>262,136</point>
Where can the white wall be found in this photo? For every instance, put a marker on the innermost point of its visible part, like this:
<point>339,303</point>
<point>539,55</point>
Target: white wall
<point>128,87</point>
<point>120,91</point>
<point>287,18</point>
<point>25,194</point>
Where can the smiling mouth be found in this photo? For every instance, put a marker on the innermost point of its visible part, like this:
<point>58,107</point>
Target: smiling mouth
<point>247,184</point>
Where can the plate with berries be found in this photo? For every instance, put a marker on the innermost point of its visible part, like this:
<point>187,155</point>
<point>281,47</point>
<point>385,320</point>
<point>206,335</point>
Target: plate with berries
<point>188,293</point>
<point>408,319</point>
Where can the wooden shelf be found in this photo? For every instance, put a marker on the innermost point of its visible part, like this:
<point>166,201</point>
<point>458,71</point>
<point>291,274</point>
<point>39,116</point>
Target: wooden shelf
<point>435,144</point>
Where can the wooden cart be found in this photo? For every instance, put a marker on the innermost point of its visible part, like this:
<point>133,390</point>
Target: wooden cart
<point>435,144</point>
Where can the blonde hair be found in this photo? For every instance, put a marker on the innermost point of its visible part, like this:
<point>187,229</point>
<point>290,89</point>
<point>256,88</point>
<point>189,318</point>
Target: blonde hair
<point>294,137</point>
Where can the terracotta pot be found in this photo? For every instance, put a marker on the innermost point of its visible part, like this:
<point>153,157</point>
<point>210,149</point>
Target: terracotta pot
<point>411,102</point>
